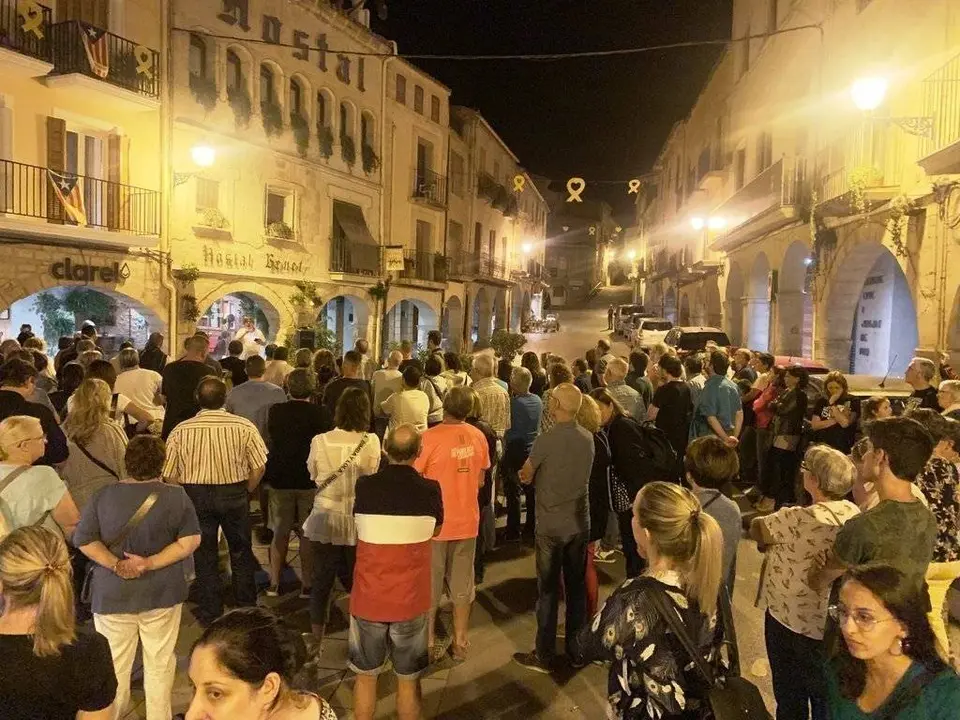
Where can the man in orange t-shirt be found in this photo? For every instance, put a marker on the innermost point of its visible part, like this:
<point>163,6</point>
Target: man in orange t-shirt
<point>455,454</point>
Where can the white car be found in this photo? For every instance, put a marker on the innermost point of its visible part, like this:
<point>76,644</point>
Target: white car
<point>622,317</point>
<point>649,331</point>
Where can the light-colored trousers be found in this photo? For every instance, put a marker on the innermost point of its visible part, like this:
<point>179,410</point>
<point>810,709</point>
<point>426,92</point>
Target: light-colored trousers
<point>157,630</point>
<point>939,578</point>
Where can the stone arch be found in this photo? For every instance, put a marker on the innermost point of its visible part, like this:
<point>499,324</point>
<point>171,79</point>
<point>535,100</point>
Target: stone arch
<point>279,86</point>
<point>410,319</point>
<point>684,309</point>
<point>307,109</point>
<point>871,325</point>
<point>277,311</point>
<point>481,316</point>
<point>670,304</point>
<point>795,303</point>
<point>733,305</point>
<point>712,306</point>
<point>758,304</point>
<point>347,316</point>
<point>331,114</point>
<point>451,326</point>
<point>500,318</point>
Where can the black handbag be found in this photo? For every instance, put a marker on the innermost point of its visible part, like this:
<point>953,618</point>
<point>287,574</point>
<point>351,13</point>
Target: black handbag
<point>730,697</point>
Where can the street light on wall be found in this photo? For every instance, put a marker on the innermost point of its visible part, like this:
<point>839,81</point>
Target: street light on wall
<point>203,156</point>
<point>869,93</point>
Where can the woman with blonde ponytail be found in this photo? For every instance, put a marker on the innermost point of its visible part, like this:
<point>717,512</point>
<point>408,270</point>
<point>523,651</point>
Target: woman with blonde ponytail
<point>50,670</point>
<point>683,547</point>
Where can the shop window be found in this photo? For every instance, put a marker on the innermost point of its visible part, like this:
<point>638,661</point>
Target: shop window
<point>208,194</point>
<point>401,92</point>
<point>435,108</point>
<point>418,99</point>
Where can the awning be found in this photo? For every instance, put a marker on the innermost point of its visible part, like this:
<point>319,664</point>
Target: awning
<point>360,249</point>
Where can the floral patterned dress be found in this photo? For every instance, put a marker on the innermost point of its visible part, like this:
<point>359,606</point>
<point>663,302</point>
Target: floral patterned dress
<point>651,676</point>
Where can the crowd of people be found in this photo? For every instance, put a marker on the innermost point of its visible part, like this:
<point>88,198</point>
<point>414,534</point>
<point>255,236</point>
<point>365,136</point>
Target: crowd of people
<point>120,480</point>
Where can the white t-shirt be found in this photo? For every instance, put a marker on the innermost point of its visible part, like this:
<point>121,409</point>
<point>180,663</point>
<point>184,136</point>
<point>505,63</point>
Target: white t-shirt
<point>383,386</point>
<point>249,339</point>
<point>407,406</point>
<point>141,386</point>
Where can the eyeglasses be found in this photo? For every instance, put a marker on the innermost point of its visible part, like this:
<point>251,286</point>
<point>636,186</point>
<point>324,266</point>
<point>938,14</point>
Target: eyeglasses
<point>863,619</point>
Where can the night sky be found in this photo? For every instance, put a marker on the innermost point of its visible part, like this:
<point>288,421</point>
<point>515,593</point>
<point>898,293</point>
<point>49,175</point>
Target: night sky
<point>601,118</point>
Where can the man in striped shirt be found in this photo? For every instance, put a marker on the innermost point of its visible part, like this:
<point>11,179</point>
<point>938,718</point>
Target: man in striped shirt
<point>219,459</point>
<point>494,400</point>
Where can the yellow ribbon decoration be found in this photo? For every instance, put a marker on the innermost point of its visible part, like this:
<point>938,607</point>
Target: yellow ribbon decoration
<point>575,187</point>
<point>519,181</point>
<point>144,56</point>
<point>634,186</point>
<point>32,16</point>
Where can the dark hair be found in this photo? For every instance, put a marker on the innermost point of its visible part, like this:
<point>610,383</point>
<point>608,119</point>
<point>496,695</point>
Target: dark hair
<point>434,337</point>
<point>353,410</point>
<point>743,385</point>
<point>504,370</point>
<point>639,361</point>
<point>869,408</point>
<point>281,353</point>
<point>17,373</point>
<point>88,331</point>
<point>711,462</point>
<point>362,346</point>
<point>412,375</point>
<point>766,359</point>
<point>579,366</point>
<point>909,603</point>
<point>353,357</point>
<point>211,393</point>
<point>458,403</point>
<point>301,383</point>
<point>719,362</point>
<point>452,361</point>
<point>801,374</point>
<point>906,442</point>
<point>932,421</point>
<point>559,374</point>
<point>270,351</point>
<point>103,370</point>
<point>235,347</point>
<point>250,643</point>
<point>40,361</point>
<point>602,395</point>
<point>591,357</point>
<point>71,375</point>
<point>693,363</point>
<point>255,366</point>
<point>126,344</point>
<point>433,366</point>
<point>531,362</point>
<point>65,341</point>
<point>604,344</point>
<point>671,365</point>
<point>835,376</point>
<point>144,457</point>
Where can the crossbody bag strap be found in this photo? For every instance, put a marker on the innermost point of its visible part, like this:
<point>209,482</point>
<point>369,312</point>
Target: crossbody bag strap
<point>676,625</point>
<point>134,520</point>
<point>103,466</point>
<point>13,475</point>
<point>339,471</point>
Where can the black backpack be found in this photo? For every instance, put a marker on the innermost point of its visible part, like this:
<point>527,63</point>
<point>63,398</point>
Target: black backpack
<point>653,453</point>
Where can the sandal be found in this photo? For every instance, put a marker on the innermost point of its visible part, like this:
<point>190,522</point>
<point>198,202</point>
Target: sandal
<point>459,652</point>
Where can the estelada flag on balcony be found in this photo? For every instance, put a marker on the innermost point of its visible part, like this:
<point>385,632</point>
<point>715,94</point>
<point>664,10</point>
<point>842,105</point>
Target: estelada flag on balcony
<point>95,44</point>
<point>67,188</point>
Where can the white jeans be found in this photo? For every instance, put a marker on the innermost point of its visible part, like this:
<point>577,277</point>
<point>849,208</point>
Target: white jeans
<point>158,631</point>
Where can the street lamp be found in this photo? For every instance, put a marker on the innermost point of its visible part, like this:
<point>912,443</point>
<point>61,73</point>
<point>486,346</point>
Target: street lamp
<point>868,93</point>
<point>697,223</point>
<point>203,156</point>
<point>527,248</point>
<point>631,255</point>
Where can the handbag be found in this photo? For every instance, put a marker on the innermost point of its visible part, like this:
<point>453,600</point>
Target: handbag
<point>103,466</point>
<point>730,696</point>
<point>86,590</point>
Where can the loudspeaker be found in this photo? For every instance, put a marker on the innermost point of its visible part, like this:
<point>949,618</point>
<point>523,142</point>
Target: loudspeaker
<point>306,338</point>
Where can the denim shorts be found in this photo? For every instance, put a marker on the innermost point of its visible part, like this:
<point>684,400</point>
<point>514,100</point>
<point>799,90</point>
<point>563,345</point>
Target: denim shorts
<point>405,643</point>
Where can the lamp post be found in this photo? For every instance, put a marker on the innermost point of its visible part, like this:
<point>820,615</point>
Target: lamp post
<point>869,93</point>
<point>203,156</point>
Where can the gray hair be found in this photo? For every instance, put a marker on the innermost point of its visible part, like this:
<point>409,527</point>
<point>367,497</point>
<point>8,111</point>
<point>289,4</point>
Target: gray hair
<point>925,367</point>
<point>834,471</point>
<point>520,380</point>
<point>128,358</point>
<point>617,368</point>
<point>952,387</point>
<point>483,365</point>
<point>301,383</point>
<point>458,403</point>
<point>86,358</point>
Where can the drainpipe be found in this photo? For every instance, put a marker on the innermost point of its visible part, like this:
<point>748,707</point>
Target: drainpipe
<point>379,334</point>
<point>166,175</point>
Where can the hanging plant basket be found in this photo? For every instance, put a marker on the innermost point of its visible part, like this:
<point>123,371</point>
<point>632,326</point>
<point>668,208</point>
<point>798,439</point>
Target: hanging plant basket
<point>325,141</point>
<point>301,133</point>
<point>189,311</point>
<point>204,91</point>
<point>186,274</point>
<point>241,105</point>
<point>378,291</point>
<point>272,118</point>
<point>371,162</point>
<point>306,295</point>
<point>348,150</point>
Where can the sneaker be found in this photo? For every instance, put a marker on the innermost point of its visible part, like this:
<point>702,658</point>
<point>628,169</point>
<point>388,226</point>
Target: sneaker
<point>531,661</point>
<point>304,593</point>
<point>604,556</point>
<point>272,591</point>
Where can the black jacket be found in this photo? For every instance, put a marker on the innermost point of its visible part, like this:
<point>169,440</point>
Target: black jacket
<point>152,358</point>
<point>13,403</point>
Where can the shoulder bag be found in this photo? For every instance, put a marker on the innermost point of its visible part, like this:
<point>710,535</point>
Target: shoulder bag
<point>339,471</point>
<point>730,696</point>
<point>86,591</point>
<point>102,465</point>
<point>4,484</point>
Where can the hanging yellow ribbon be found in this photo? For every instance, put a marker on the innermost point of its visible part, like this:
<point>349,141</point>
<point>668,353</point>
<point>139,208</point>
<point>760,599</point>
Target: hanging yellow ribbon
<point>144,56</point>
<point>32,15</point>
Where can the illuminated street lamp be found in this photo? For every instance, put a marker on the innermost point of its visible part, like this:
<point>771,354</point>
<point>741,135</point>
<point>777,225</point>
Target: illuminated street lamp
<point>527,248</point>
<point>697,223</point>
<point>717,223</point>
<point>203,155</point>
<point>869,93</point>
<point>631,255</point>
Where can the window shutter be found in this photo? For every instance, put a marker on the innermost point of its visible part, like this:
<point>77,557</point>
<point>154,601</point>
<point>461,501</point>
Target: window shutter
<point>94,12</point>
<point>115,178</point>
<point>56,160</point>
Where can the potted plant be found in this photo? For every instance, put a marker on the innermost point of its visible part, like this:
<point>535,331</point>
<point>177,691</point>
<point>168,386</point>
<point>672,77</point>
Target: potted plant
<point>348,149</point>
<point>272,117</point>
<point>186,274</point>
<point>507,344</point>
<point>241,105</point>
<point>280,230</point>
<point>212,218</point>
<point>301,133</point>
<point>204,91</point>
<point>378,291</point>
<point>189,311</point>
<point>325,140</point>
<point>369,158</point>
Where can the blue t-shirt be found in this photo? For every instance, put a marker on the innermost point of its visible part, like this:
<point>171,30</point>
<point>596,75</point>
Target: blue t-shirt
<point>172,517</point>
<point>253,401</point>
<point>525,411</point>
<point>719,398</point>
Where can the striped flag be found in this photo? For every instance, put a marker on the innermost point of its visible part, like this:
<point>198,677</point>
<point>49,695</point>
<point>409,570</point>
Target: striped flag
<point>96,45</point>
<point>67,188</point>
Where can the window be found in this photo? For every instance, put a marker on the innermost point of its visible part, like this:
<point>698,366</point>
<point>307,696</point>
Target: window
<point>234,71</point>
<point>456,174</point>
<point>198,56</point>
<point>424,233</point>
<point>296,98</point>
<point>435,108</point>
<point>455,239</point>
<point>418,99</point>
<point>279,208</point>
<point>477,236</point>
<point>266,85</point>
<point>492,244</point>
<point>739,169</point>
<point>772,12</point>
<point>323,118</point>
<point>764,151</point>
<point>346,121</point>
<point>208,194</point>
<point>401,93</point>
<point>424,156</point>
<point>366,129</point>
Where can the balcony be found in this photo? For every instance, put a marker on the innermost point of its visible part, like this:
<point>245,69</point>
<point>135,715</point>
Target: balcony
<point>710,170</point>
<point>27,191</point>
<point>88,59</point>
<point>353,258</point>
<point>860,170</point>
<point>25,40</point>
<point>429,187</point>
<point>941,101</point>
<point>774,198</point>
<point>429,266</point>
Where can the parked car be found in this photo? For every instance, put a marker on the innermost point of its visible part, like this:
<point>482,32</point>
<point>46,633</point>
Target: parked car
<point>694,339</point>
<point>648,331</point>
<point>622,315</point>
<point>551,323</point>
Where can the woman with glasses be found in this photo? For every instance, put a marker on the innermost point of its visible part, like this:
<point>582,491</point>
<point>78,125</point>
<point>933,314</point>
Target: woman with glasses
<point>793,538</point>
<point>887,665</point>
<point>31,494</point>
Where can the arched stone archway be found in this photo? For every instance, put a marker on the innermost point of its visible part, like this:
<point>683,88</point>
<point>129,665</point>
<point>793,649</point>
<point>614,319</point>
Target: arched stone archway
<point>733,306</point>
<point>870,326</point>
<point>758,304</point>
<point>410,319</point>
<point>347,317</point>
<point>685,309</point>
<point>698,311</point>
<point>451,326</point>
<point>481,316</point>
<point>277,311</point>
<point>795,303</point>
<point>712,307</point>
<point>222,317</point>
<point>500,309</point>
<point>670,305</point>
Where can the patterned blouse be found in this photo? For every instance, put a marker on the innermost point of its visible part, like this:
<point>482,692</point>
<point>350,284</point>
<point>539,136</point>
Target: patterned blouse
<point>940,484</point>
<point>651,676</point>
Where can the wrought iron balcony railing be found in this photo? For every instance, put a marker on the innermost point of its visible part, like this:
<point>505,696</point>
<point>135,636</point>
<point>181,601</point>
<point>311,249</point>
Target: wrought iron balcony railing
<point>27,34</point>
<point>430,187</point>
<point>941,101</point>
<point>94,52</point>
<point>28,191</point>
<point>353,257</point>
<point>419,265</point>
